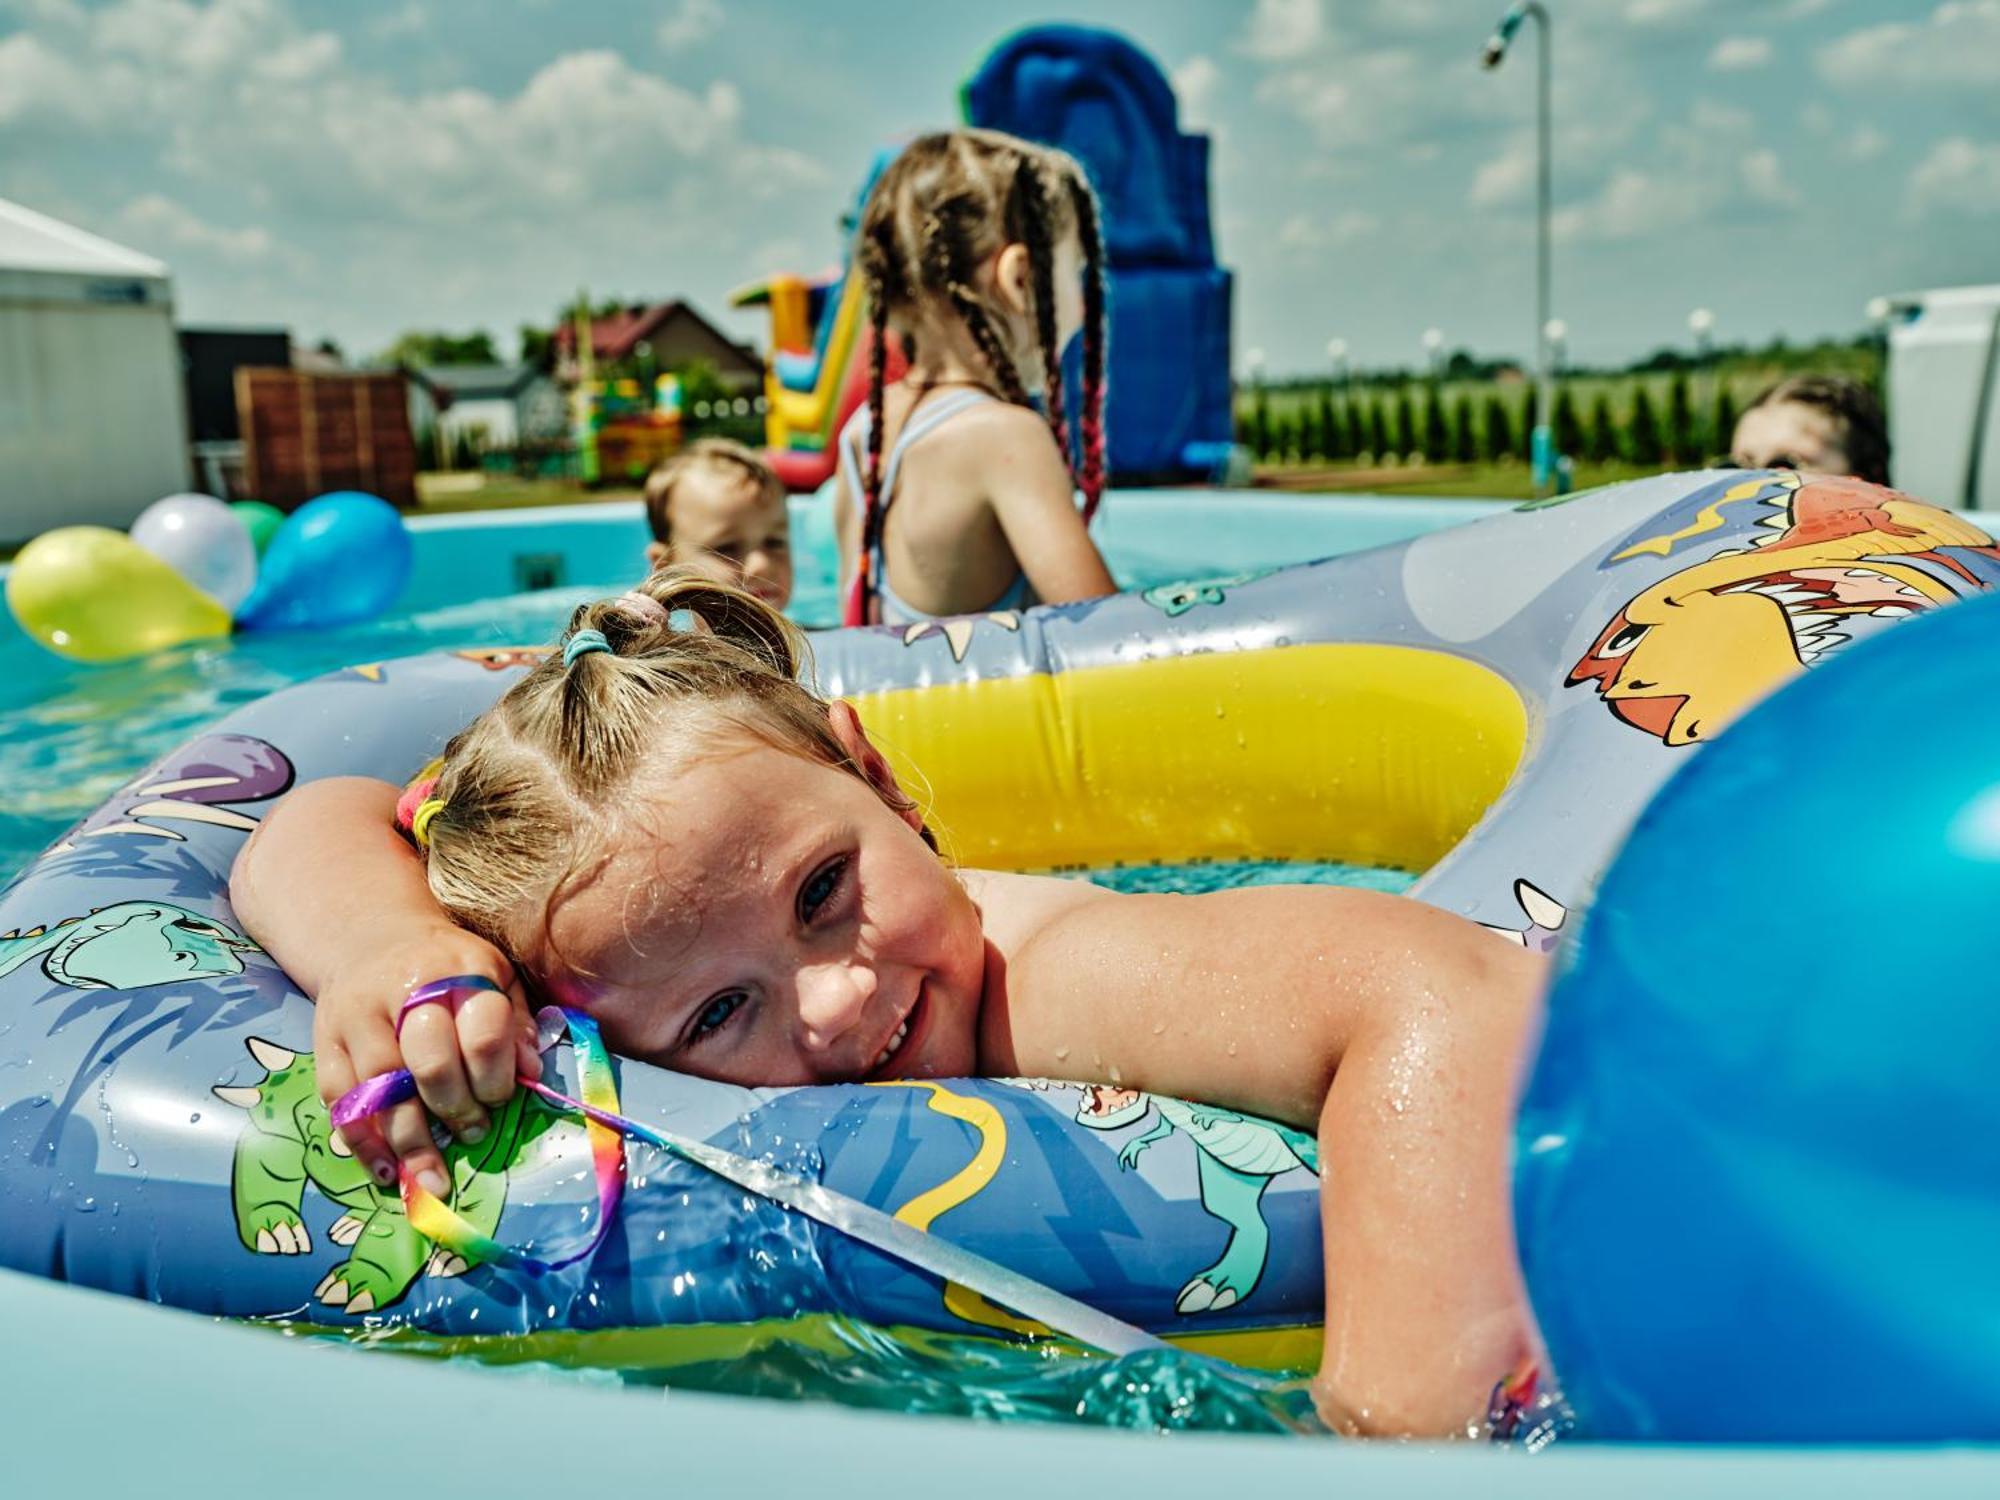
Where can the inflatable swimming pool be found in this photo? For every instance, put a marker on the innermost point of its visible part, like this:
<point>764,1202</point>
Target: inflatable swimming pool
<point>1490,704</point>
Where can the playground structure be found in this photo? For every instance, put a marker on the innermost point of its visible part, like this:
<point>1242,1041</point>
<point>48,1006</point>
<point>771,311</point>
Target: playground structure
<point>621,432</point>
<point>1096,96</point>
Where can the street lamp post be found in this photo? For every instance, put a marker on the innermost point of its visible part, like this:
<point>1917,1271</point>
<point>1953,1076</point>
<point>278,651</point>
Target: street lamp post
<point>1496,48</point>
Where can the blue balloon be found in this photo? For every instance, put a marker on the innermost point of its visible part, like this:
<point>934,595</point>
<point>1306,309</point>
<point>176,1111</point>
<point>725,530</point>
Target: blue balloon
<point>1757,1168</point>
<point>337,560</point>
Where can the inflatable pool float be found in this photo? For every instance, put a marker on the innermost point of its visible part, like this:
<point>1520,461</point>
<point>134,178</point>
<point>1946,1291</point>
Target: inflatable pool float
<point>1491,705</point>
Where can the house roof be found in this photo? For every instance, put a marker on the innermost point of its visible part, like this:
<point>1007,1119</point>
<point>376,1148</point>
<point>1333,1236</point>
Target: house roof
<point>476,382</point>
<point>615,335</point>
<point>43,257</point>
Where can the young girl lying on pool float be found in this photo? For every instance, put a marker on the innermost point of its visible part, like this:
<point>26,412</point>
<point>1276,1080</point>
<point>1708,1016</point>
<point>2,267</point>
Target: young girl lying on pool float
<point>661,827</point>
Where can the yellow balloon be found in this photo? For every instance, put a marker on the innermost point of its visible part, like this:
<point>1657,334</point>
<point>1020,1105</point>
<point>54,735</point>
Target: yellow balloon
<point>96,595</point>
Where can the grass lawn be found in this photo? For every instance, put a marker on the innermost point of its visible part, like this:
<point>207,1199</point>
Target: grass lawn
<point>1501,481</point>
<point>446,494</point>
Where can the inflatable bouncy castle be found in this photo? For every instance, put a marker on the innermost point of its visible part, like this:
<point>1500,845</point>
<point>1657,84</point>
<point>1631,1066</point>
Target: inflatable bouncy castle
<point>1093,94</point>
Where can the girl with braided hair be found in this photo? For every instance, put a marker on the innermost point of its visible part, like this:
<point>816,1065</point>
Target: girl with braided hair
<point>982,253</point>
<point>661,826</point>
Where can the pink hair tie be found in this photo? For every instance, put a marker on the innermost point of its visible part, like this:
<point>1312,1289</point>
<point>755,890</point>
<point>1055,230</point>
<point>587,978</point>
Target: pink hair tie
<point>415,795</point>
<point>645,606</point>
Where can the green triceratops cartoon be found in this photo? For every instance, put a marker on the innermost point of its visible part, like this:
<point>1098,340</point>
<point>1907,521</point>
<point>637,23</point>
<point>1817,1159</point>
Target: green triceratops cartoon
<point>1236,1156</point>
<point>290,1142</point>
<point>128,947</point>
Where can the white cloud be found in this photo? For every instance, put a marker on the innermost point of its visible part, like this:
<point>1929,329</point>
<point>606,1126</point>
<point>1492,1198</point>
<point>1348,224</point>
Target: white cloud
<point>308,57</point>
<point>1194,83</point>
<point>1663,12</point>
<point>689,26</point>
<point>1734,54</point>
<point>1764,178</point>
<point>161,224</point>
<point>1280,30</point>
<point>35,81</point>
<point>1631,204</point>
<point>1307,236</point>
<point>408,21</point>
<point>1959,176</point>
<point>1504,179</point>
<point>1958,44</point>
<point>1865,144</point>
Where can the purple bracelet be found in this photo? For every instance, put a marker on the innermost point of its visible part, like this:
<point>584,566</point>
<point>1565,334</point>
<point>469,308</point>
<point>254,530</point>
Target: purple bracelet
<point>451,992</point>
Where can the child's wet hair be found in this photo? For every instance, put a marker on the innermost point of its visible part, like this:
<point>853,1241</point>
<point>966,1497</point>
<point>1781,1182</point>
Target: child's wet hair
<point>940,209</point>
<point>527,794</point>
<point>718,455</point>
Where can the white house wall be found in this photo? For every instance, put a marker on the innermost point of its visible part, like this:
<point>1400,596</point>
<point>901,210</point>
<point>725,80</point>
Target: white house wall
<point>495,423</point>
<point>93,426</point>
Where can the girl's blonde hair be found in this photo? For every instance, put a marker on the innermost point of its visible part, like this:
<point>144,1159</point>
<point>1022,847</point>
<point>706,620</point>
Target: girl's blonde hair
<point>526,793</point>
<point>939,210</point>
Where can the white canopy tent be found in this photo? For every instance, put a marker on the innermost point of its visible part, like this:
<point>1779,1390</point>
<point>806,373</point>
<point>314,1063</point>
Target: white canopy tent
<point>93,426</point>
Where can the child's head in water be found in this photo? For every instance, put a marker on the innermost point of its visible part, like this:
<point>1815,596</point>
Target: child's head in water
<point>668,831</point>
<point>716,508</point>
<point>1817,424</point>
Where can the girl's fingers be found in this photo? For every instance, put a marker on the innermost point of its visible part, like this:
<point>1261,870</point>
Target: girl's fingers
<point>527,1047</point>
<point>362,1139</point>
<point>408,1129</point>
<point>430,1052</point>
<point>488,1023</point>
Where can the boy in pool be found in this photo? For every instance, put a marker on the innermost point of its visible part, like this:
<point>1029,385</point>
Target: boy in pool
<point>717,508</point>
<point>661,827</point>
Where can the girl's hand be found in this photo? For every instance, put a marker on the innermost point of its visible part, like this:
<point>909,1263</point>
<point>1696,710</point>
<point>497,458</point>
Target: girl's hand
<point>464,1061</point>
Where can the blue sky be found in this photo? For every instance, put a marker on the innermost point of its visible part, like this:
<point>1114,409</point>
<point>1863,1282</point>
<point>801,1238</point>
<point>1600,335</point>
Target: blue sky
<point>355,167</point>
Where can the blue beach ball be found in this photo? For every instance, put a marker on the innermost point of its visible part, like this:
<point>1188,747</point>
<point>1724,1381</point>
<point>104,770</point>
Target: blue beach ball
<point>1757,1175</point>
<point>338,560</point>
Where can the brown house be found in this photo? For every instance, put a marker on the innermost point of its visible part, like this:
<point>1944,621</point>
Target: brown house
<point>673,334</point>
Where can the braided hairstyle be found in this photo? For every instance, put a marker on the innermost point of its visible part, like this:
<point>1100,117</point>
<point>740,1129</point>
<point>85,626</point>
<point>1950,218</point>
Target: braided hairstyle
<point>1083,205</point>
<point>528,795</point>
<point>943,207</point>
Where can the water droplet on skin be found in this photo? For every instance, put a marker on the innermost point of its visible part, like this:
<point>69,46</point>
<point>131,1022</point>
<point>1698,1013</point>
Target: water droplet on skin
<point>1159,1028</point>
<point>1062,1055</point>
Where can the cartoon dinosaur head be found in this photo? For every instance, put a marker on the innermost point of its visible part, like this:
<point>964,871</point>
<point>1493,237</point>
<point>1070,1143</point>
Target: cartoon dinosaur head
<point>1684,657</point>
<point>1105,1106</point>
<point>287,1102</point>
<point>130,946</point>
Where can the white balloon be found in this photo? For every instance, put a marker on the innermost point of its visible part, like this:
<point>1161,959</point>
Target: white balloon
<point>204,541</point>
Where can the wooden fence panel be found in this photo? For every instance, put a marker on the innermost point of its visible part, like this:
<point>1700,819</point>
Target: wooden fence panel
<point>305,434</point>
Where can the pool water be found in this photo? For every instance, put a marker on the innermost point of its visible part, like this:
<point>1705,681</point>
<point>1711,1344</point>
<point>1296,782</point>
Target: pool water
<point>75,732</point>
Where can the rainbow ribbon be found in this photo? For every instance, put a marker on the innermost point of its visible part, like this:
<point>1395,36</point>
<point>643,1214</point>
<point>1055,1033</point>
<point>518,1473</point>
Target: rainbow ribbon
<point>609,1129</point>
<point>442,1224</point>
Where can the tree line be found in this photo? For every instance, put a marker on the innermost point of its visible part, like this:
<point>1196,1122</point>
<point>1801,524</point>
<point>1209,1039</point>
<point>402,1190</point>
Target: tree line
<point>1435,423</point>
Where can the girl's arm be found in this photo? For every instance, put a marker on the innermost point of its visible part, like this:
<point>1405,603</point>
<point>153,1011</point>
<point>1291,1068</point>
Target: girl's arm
<point>1393,1029</point>
<point>334,894</point>
<point>1023,473</point>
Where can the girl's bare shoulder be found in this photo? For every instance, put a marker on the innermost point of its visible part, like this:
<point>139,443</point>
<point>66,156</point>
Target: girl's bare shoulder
<point>1015,909</point>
